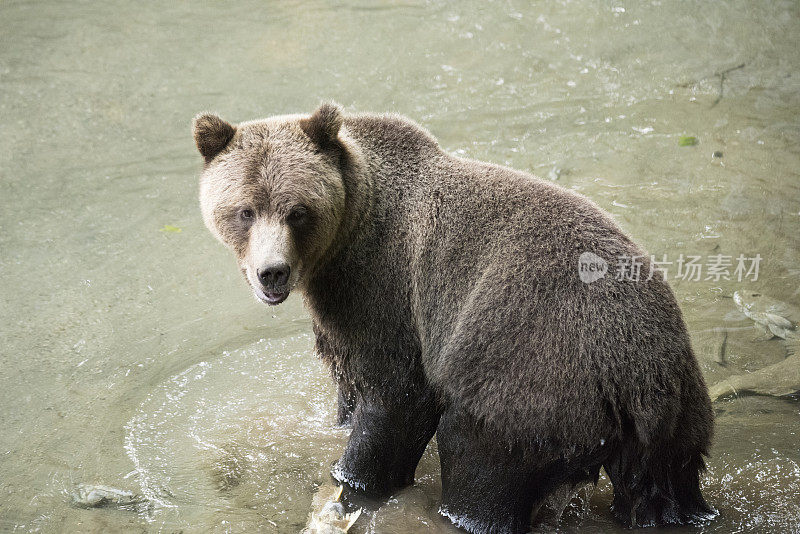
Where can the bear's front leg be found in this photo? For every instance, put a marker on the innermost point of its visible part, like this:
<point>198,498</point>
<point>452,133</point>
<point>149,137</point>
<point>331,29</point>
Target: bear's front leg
<point>347,401</point>
<point>386,443</point>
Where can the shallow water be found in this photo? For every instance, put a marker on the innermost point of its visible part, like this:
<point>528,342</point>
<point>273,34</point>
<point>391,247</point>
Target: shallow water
<point>133,356</point>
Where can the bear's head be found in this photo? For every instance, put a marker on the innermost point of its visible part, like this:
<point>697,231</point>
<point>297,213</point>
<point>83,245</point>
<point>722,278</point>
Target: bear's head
<point>272,191</point>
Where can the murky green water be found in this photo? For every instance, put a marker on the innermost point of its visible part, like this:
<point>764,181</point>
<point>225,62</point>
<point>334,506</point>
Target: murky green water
<point>135,357</point>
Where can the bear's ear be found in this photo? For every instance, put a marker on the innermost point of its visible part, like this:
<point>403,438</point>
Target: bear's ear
<point>211,134</point>
<point>323,125</point>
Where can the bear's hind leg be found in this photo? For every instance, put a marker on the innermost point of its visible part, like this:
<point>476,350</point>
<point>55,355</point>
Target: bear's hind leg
<point>653,488</point>
<point>487,487</point>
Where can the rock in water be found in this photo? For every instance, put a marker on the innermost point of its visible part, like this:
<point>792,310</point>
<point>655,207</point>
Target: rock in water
<point>782,378</point>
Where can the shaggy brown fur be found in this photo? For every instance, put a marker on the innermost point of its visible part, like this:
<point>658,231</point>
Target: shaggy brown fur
<point>442,287</point>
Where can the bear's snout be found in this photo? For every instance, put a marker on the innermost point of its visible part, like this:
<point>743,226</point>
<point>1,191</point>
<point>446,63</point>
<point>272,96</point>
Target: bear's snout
<point>274,276</point>
<point>273,284</point>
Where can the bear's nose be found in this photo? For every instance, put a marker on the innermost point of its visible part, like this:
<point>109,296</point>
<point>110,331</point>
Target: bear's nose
<point>275,275</point>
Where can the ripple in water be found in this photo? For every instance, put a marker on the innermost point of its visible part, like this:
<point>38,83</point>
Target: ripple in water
<point>240,442</point>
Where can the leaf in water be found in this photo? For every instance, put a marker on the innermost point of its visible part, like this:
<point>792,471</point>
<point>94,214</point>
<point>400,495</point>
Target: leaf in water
<point>171,229</point>
<point>687,140</point>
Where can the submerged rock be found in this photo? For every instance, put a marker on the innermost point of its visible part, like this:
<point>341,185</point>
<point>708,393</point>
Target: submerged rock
<point>782,378</point>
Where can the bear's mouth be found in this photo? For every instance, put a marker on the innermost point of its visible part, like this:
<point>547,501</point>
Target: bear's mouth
<point>275,297</point>
<point>272,297</point>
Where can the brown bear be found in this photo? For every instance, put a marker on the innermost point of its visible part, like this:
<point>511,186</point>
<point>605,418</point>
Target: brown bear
<point>446,298</point>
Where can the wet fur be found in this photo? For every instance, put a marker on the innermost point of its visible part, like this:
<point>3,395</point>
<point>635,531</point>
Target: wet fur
<point>445,294</point>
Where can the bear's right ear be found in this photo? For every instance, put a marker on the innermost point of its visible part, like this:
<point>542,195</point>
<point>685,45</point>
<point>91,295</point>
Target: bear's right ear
<point>323,125</point>
<point>211,134</point>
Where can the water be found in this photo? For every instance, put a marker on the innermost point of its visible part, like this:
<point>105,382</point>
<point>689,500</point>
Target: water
<point>135,357</point>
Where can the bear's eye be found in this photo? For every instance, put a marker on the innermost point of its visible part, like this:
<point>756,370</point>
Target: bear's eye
<point>247,215</point>
<point>297,215</point>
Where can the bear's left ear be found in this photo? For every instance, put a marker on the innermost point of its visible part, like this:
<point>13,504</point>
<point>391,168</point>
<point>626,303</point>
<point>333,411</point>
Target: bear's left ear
<point>211,134</point>
<point>323,125</point>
